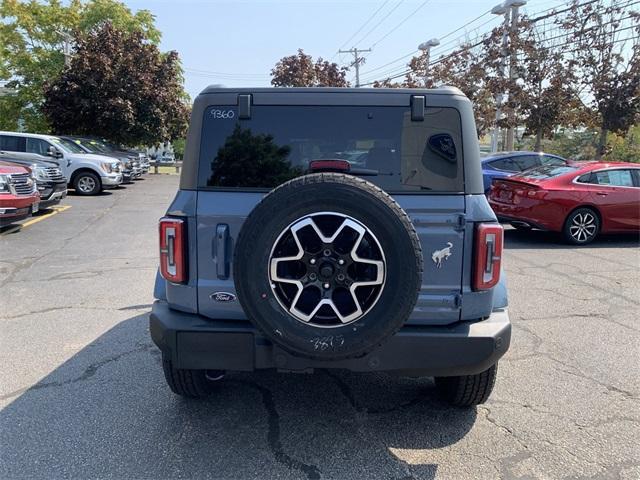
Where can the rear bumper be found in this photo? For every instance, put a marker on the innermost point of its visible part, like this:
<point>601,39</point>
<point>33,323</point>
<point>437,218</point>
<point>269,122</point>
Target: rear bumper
<point>194,342</point>
<point>545,216</point>
<point>521,221</point>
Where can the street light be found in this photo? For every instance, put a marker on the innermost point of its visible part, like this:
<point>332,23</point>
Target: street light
<point>426,48</point>
<point>514,5</point>
<point>500,9</point>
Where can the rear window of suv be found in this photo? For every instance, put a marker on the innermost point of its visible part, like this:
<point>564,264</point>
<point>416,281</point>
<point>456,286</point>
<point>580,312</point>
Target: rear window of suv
<point>278,143</point>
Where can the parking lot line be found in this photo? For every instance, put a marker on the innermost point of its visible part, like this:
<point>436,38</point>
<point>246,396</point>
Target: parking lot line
<point>54,211</point>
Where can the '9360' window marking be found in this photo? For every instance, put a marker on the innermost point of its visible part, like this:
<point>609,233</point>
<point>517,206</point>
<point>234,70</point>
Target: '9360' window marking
<point>223,114</point>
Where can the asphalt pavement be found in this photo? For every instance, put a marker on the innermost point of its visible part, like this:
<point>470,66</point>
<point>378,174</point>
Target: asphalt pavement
<point>82,393</point>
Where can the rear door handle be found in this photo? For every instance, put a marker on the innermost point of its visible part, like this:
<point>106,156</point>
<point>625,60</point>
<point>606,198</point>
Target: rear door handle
<point>221,251</point>
<point>602,194</point>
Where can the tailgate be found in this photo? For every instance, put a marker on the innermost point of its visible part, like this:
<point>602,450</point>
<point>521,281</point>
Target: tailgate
<point>437,219</point>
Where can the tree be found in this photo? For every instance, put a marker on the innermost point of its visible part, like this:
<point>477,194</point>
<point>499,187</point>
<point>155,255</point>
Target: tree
<point>118,87</point>
<point>464,69</point>
<point>32,37</point>
<point>301,71</point>
<point>252,161</point>
<point>608,64</point>
<point>547,94</point>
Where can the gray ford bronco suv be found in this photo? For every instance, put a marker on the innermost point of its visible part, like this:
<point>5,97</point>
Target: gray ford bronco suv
<point>335,229</point>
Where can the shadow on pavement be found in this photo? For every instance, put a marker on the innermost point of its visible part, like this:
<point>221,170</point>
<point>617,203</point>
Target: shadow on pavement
<point>106,412</point>
<point>103,193</point>
<point>538,239</point>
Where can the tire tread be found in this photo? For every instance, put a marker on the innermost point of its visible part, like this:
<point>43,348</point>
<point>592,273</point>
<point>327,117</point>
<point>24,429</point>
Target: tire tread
<point>468,390</point>
<point>186,383</point>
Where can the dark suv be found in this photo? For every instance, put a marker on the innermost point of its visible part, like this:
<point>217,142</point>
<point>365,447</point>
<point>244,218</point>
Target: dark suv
<point>331,228</point>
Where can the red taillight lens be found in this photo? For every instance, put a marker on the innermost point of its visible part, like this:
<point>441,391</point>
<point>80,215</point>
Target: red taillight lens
<point>488,255</point>
<point>173,262</point>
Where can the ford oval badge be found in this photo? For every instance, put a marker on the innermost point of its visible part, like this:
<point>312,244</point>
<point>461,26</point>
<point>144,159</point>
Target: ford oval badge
<point>223,297</point>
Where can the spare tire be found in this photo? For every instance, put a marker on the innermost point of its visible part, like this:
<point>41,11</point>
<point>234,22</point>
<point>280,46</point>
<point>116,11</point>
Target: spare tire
<point>328,266</point>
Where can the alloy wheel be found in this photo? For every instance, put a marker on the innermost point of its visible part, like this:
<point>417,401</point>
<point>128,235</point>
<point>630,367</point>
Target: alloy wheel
<point>327,269</point>
<point>583,227</point>
<point>86,184</point>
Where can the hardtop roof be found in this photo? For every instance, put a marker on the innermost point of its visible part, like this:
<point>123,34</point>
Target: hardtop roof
<point>340,90</point>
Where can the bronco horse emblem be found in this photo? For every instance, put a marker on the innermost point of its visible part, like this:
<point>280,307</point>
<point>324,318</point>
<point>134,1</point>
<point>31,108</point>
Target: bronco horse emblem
<point>439,255</point>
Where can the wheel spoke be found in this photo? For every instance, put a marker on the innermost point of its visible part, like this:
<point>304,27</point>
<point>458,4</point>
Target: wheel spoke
<point>329,273</point>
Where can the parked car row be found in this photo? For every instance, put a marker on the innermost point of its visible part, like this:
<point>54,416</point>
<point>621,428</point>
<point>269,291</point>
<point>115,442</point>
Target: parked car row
<point>578,199</point>
<point>36,170</point>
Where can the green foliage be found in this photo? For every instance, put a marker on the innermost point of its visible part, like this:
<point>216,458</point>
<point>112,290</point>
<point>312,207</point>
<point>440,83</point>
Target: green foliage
<point>251,160</point>
<point>583,145</point>
<point>624,148</point>
<point>573,145</point>
<point>118,87</point>
<point>178,147</point>
<point>32,37</point>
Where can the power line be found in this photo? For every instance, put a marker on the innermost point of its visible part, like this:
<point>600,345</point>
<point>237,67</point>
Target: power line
<point>362,26</point>
<point>401,23</point>
<point>466,24</point>
<point>435,62</point>
<point>410,54</point>
<point>443,56</point>
<point>380,22</point>
<point>397,74</point>
<point>453,41</point>
<point>583,32</point>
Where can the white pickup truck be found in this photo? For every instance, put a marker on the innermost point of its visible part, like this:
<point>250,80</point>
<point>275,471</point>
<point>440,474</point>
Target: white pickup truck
<point>87,173</point>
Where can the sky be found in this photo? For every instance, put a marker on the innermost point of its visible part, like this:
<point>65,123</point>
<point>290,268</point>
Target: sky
<point>237,43</point>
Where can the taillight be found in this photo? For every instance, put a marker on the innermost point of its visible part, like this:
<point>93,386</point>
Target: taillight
<point>329,166</point>
<point>488,255</point>
<point>173,262</point>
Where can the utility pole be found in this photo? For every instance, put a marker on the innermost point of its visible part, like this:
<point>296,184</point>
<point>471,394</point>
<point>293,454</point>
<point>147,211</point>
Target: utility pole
<point>500,10</point>
<point>66,46</point>
<point>357,60</point>
<point>515,5</point>
<point>426,48</point>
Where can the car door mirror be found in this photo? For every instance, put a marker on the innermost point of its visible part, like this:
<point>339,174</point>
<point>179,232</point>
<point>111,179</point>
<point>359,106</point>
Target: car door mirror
<point>54,152</point>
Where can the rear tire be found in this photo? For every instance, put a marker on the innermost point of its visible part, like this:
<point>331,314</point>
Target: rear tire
<point>581,226</point>
<point>467,390</point>
<point>87,183</point>
<point>188,383</point>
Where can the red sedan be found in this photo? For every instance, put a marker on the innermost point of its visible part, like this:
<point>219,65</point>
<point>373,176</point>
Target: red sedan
<point>581,199</point>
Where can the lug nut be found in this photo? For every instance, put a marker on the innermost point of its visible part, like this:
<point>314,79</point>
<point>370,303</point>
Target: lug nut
<point>327,252</point>
<point>341,262</point>
<point>312,276</point>
<point>312,261</point>
<point>340,277</point>
<point>326,286</point>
